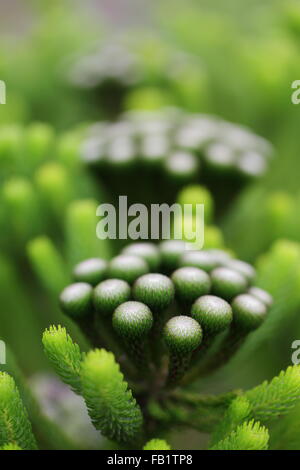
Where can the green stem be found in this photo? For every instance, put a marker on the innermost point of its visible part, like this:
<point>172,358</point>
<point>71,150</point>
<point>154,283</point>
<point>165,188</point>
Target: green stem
<point>177,368</point>
<point>205,400</point>
<point>139,354</point>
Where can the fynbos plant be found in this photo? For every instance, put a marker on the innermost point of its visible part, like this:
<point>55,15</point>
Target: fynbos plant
<point>173,148</point>
<point>155,331</point>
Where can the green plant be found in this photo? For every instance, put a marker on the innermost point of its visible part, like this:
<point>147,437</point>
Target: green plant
<point>174,148</point>
<point>15,428</point>
<point>162,341</point>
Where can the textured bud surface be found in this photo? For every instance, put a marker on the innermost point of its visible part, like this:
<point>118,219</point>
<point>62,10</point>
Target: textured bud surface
<point>127,267</point>
<point>243,268</point>
<point>199,259</point>
<point>170,251</point>
<point>132,320</point>
<point>190,283</point>
<point>154,290</point>
<point>91,270</point>
<point>182,335</point>
<point>109,294</point>
<point>76,299</point>
<point>248,312</point>
<point>261,295</point>
<point>212,313</point>
<point>148,251</point>
<point>228,283</point>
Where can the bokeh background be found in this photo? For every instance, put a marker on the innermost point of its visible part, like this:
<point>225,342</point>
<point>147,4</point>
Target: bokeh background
<point>233,59</point>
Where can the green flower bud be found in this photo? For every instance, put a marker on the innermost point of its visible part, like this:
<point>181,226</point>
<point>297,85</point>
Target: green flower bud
<point>261,295</point>
<point>121,153</point>
<point>154,290</point>
<point>38,139</point>
<point>76,299</point>
<point>220,157</point>
<point>182,166</point>
<point>213,237</point>
<point>148,251</point>
<point>132,320</point>
<point>170,251</point>
<point>154,148</point>
<point>91,270</point>
<point>228,283</point>
<point>241,267</point>
<point>196,194</point>
<point>55,186</point>
<point>248,312</point>
<point>127,267</point>
<point>190,283</point>
<point>221,256</point>
<point>199,259</point>
<point>109,294</point>
<point>251,164</point>
<point>157,444</point>
<point>92,151</point>
<point>213,313</point>
<point>182,335</point>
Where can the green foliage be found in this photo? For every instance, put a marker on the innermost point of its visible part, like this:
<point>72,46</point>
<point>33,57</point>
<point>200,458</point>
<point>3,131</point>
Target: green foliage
<point>38,143</point>
<point>285,432</point>
<point>248,436</point>
<point>279,274</point>
<point>55,188</point>
<point>22,208</point>
<point>111,405</point>
<point>80,229</point>
<point>15,427</point>
<point>10,446</point>
<point>64,355</point>
<point>273,399</point>
<point>157,444</point>
<point>48,193</point>
<point>237,412</point>
<point>196,194</point>
<point>48,264</point>
<point>263,403</point>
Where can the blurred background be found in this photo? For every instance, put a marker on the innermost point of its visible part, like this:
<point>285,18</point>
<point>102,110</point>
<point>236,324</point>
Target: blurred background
<point>67,64</point>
